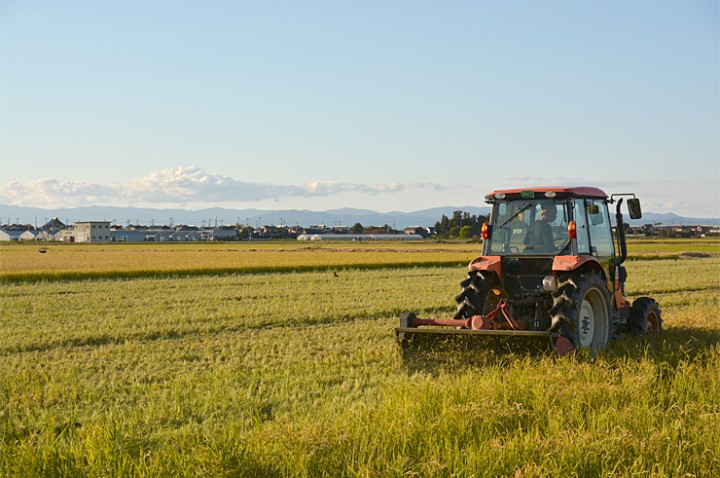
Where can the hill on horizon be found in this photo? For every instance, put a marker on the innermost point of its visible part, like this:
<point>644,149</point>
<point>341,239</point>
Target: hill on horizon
<point>259,217</point>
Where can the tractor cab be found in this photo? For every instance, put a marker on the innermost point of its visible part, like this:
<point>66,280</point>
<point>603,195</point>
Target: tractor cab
<point>551,223</point>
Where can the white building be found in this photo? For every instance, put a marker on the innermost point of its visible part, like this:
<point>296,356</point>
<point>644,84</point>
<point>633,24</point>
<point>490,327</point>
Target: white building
<point>10,235</point>
<point>360,237</point>
<point>14,233</point>
<point>90,231</point>
<point>29,236</point>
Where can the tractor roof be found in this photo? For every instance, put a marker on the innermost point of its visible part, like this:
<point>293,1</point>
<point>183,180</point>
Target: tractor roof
<point>576,192</point>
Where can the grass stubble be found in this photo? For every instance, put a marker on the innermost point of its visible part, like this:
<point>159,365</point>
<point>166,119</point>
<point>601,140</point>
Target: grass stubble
<point>299,374</point>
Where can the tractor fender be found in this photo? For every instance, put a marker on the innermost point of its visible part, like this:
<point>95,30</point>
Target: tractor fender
<point>560,264</point>
<point>486,263</point>
<point>572,263</point>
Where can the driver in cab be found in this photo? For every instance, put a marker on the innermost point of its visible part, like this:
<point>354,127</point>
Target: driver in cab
<point>539,236</point>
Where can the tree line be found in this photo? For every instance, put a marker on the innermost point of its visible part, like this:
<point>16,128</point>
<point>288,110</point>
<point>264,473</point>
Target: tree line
<point>461,225</point>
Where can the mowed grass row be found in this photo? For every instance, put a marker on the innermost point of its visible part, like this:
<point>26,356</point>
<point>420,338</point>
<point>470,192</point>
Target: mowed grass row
<point>83,312</point>
<point>298,374</point>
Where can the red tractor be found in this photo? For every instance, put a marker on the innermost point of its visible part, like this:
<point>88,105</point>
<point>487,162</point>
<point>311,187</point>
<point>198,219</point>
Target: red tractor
<point>551,266</point>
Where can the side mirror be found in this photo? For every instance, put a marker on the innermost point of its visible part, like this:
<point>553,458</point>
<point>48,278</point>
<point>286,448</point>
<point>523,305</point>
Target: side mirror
<point>634,208</point>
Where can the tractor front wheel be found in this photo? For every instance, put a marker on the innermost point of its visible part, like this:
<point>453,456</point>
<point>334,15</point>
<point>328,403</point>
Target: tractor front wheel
<point>581,310</point>
<point>645,318</point>
<point>479,295</point>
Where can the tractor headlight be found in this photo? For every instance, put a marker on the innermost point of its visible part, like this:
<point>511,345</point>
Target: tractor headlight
<point>549,283</point>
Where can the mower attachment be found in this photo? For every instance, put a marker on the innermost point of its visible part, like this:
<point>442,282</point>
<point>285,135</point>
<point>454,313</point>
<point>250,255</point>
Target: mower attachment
<point>479,325</point>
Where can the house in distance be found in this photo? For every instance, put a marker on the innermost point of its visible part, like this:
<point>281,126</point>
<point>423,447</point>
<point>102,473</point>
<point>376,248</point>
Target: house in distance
<point>87,231</point>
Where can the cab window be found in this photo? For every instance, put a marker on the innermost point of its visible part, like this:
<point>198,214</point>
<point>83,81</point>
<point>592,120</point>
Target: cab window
<point>600,230</point>
<point>529,227</point>
<point>581,226</point>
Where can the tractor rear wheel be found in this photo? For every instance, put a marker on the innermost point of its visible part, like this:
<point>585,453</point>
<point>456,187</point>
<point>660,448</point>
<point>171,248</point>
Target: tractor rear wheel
<point>477,296</point>
<point>645,318</point>
<point>581,310</point>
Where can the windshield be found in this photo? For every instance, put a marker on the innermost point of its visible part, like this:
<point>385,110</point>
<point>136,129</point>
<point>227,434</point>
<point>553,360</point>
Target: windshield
<point>529,227</point>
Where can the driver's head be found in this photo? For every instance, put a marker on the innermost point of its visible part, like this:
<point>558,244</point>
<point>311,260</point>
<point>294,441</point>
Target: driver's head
<point>549,212</point>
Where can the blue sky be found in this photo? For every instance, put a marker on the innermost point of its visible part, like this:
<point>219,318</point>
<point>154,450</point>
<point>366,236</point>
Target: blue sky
<point>385,105</point>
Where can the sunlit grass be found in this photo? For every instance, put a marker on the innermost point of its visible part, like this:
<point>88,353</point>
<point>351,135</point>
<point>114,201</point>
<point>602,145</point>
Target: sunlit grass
<point>24,262</point>
<point>299,374</point>
<point>709,245</point>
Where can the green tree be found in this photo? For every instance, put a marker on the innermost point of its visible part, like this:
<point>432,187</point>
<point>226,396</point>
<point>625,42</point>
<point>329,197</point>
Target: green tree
<point>455,226</point>
<point>466,232</point>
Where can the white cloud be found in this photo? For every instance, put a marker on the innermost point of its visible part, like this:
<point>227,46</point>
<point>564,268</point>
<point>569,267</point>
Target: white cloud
<point>53,192</point>
<point>184,185</point>
<point>179,187</point>
<point>194,188</point>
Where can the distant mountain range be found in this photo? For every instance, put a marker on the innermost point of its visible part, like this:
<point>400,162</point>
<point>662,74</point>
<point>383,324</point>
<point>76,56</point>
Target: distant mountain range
<point>257,217</point>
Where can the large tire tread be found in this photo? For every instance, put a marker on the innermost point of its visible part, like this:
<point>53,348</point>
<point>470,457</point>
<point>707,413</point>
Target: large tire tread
<point>573,289</point>
<point>475,289</point>
<point>645,317</point>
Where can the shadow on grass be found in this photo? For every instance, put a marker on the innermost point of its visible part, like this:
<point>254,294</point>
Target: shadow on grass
<point>436,354</point>
<point>671,347</point>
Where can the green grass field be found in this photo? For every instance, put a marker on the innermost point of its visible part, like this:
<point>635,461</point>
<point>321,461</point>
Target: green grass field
<point>218,360</point>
